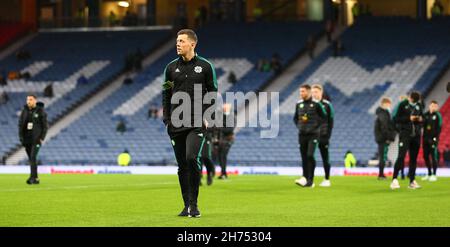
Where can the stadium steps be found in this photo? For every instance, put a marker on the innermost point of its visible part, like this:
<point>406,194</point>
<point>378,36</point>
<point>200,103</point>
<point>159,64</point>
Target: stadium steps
<point>20,42</point>
<point>98,96</point>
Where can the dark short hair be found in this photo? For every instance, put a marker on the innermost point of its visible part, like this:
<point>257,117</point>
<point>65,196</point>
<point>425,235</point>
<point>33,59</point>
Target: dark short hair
<point>415,96</point>
<point>32,95</point>
<point>434,102</point>
<point>190,33</point>
<point>306,86</point>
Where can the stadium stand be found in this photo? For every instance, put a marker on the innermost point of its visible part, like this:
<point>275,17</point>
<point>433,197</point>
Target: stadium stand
<point>61,59</point>
<point>93,138</point>
<point>382,56</point>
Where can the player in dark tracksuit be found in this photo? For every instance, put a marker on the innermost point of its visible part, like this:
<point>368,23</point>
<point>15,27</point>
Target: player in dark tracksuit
<point>384,130</point>
<point>309,114</point>
<point>432,130</point>
<point>189,76</point>
<point>225,140</point>
<point>207,157</point>
<point>408,118</point>
<point>33,128</point>
<point>326,129</point>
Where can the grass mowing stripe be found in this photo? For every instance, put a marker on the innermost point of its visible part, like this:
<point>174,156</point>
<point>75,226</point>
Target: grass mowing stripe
<point>247,200</point>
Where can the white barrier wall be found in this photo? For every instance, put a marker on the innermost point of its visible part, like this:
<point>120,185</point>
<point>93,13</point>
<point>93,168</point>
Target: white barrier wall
<point>233,170</point>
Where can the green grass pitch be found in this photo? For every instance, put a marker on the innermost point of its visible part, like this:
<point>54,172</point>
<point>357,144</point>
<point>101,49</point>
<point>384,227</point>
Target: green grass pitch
<point>248,200</point>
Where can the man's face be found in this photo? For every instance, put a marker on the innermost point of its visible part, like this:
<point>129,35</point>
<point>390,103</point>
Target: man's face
<point>434,107</point>
<point>316,93</point>
<point>411,100</point>
<point>305,93</point>
<point>31,101</point>
<point>226,108</point>
<point>386,105</point>
<point>184,45</point>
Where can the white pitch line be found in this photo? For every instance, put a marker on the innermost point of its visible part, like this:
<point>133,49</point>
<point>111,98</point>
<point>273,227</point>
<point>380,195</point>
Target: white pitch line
<point>84,187</point>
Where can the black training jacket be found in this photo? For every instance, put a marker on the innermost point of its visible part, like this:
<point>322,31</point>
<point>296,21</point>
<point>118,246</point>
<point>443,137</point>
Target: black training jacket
<point>432,126</point>
<point>401,115</point>
<point>33,124</point>
<point>181,76</point>
<point>308,117</point>
<point>384,129</point>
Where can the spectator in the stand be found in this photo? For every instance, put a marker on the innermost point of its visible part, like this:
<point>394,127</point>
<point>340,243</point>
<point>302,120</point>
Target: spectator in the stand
<point>112,19</point>
<point>329,29</point>
<point>23,55</point>
<point>337,47</point>
<point>13,75</point>
<point>126,19</point>
<point>257,12</point>
<point>128,80</point>
<point>25,75</point>
<point>263,65</point>
<point>438,9</point>
<point>4,98</point>
<point>80,12</point>
<point>447,155</point>
<point>130,19</point>
<point>153,112</point>
<point>266,66</point>
<point>138,57</point>
<point>3,81</point>
<point>232,77</point>
<point>311,46</point>
<point>275,64</point>
<point>48,91</point>
<point>121,127</point>
<point>82,80</point>
<point>356,10</point>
